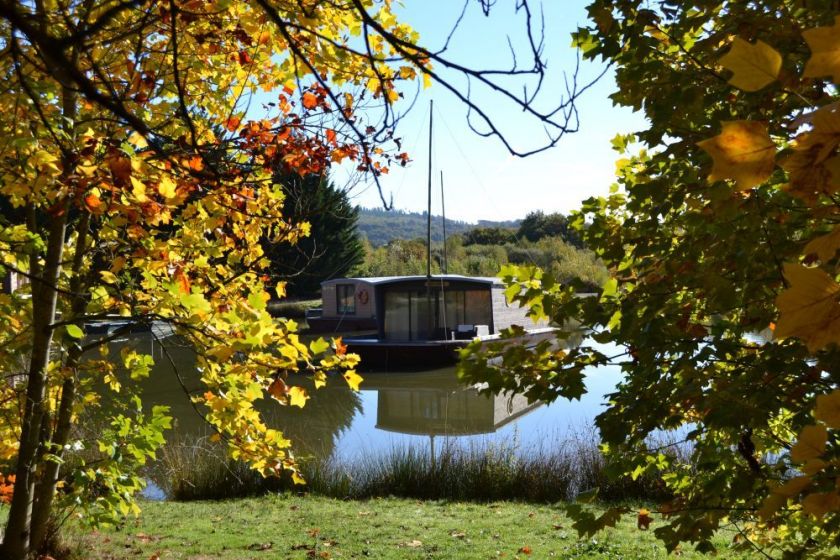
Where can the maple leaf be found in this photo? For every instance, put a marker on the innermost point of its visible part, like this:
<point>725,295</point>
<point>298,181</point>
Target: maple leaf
<point>92,202</point>
<point>753,66</point>
<point>353,379</point>
<point>742,152</point>
<point>824,43</point>
<point>340,347</point>
<point>232,124</point>
<point>183,281</point>
<point>297,396</point>
<point>810,445</point>
<point>809,308</point>
<point>310,100</point>
<point>828,409</point>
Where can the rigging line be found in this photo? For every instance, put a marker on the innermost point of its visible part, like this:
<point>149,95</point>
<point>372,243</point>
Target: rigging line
<point>412,150</point>
<point>467,161</point>
<point>489,197</point>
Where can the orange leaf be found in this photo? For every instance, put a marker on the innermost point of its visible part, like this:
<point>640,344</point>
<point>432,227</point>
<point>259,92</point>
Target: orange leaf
<point>331,136</point>
<point>183,281</point>
<point>196,163</point>
<point>526,550</point>
<point>92,202</point>
<point>310,100</point>
<point>232,124</point>
<point>340,347</point>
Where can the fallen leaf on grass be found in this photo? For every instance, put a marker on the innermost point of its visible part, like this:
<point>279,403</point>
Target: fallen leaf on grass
<point>643,520</point>
<point>457,534</point>
<point>525,550</point>
<point>313,532</point>
<point>364,513</point>
<point>260,546</point>
<point>144,537</point>
<point>412,544</point>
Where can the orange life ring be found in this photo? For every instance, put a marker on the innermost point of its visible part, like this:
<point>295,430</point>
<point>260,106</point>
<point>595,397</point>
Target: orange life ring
<point>363,297</point>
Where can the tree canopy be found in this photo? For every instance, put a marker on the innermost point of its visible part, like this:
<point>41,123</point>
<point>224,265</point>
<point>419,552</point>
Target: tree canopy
<point>332,246</point>
<point>139,141</point>
<point>722,308</point>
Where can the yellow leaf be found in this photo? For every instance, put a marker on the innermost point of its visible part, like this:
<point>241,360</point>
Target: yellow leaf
<point>297,396</point>
<point>108,277</point>
<point>828,409</point>
<point>138,189</point>
<point>353,379</point>
<point>742,152</point>
<point>280,289</point>
<point>166,187</point>
<point>820,503</point>
<point>427,80</point>
<point>138,141</point>
<point>808,309</point>
<point>297,479</point>
<point>752,66</point>
<point>824,43</point>
<point>811,444</point>
<point>824,246</point>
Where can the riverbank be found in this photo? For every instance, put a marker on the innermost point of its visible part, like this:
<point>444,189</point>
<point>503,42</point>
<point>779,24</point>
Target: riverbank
<point>288,526</point>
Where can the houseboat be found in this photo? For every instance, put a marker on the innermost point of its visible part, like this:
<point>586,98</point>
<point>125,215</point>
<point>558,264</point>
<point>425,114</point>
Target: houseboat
<point>418,321</point>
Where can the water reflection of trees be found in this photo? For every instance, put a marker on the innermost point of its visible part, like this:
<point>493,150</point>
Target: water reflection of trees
<point>174,379</point>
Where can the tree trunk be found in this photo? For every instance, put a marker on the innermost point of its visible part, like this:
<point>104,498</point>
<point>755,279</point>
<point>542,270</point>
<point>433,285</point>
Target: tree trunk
<point>16,540</point>
<point>46,487</point>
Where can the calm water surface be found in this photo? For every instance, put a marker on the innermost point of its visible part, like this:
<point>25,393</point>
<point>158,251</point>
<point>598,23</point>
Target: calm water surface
<point>393,408</point>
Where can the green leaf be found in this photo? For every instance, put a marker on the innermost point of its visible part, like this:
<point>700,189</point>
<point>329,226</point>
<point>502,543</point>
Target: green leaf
<point>74,331</point>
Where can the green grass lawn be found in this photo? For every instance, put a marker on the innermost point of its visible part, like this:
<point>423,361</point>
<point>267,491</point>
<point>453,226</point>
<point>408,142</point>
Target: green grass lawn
<point>313,527</point>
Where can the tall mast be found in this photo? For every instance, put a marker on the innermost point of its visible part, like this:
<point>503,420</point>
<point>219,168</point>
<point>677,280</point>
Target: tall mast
<point>443,211</point>
<point>429,206</point>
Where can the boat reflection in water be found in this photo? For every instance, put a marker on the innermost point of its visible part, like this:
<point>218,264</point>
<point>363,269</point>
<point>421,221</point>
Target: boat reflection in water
<point>435,403</point>
<point>335,420</point>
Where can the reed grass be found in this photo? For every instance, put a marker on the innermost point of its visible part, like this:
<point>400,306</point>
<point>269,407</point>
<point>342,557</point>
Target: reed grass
<point>477,472</point>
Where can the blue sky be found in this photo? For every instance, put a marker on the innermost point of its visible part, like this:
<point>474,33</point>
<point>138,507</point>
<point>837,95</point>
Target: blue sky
<point>482,180</point>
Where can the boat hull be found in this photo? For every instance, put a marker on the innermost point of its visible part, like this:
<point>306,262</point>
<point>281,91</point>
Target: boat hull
<point>389,355</point>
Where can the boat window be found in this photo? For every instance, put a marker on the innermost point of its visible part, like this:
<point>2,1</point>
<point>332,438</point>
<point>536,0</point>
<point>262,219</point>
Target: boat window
<point>433,314</point>
<point>346,299</point>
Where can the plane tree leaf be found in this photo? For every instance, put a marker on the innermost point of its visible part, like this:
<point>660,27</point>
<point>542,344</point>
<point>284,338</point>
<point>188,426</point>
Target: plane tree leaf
<point>753,66</point>
<point>743,152</point>
<point>824,43</point>
<point>809,308</point>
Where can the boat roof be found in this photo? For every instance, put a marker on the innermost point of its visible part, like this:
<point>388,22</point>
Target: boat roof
<point>382,280</point>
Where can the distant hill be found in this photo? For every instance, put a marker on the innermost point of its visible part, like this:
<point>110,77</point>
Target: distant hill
<point>381,226</point>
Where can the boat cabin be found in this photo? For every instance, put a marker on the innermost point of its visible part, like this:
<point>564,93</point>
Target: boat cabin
<point>419,308</point>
